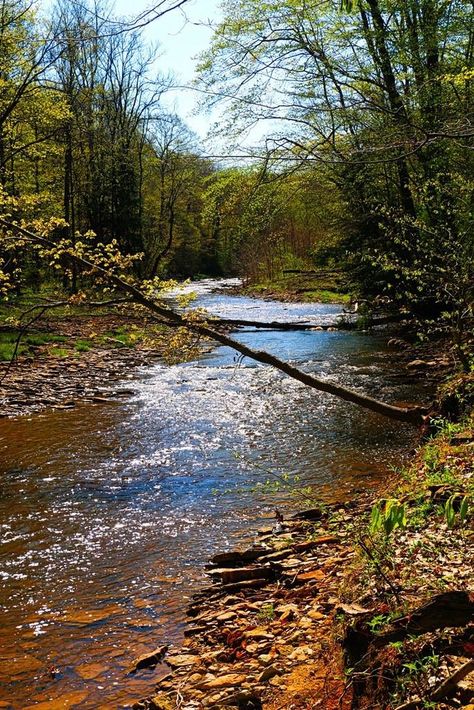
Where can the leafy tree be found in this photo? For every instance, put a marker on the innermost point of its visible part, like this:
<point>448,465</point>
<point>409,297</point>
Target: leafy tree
<point>378,92</point>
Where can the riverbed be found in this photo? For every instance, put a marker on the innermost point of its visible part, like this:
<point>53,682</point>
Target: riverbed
<point>109,511</point>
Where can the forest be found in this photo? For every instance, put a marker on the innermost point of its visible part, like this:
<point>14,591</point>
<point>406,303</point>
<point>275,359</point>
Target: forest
<point>262,337</point>
<point>366,164</point>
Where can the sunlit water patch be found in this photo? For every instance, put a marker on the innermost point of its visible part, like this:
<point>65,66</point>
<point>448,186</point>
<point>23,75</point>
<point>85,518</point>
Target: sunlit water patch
<point>108,512</point>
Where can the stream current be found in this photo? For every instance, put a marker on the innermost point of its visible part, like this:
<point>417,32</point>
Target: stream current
<point>108,512</point>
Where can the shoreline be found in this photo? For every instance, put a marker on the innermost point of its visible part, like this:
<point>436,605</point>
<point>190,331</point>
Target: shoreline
<point>325,286</point>
<point>274,629</point>
<point>44,380</point>
<point>299,619</point>
<point>87,355</point>
<point>262,628</point>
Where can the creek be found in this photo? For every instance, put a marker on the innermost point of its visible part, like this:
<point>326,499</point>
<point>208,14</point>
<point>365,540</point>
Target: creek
<point>108,512</point>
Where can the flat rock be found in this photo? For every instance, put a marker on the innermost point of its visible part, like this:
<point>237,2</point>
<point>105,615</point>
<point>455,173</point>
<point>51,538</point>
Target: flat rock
<point>224,681</point>
<point>268,673</point>
<point>11,666</point>
<point>90,616</point>
<point>258,633</point>
<point>65,701</point>
<point>311,544</point>
<point>236,556</point>
<point>315,574</point>
<point>242,574</point>
<point>417,363</point>
<point>89,671</point>
<point>226,616</point>
<point>180,660</point>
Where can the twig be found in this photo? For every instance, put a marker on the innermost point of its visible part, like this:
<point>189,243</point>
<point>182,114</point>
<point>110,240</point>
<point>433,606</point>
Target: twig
<point>368,552</point>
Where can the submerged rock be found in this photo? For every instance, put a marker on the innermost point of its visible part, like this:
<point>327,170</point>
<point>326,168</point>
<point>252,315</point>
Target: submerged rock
<point>148,660</point>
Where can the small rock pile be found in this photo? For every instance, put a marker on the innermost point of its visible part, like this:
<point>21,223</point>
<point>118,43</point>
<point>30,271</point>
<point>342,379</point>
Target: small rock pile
<point>61,383</point>
<point>269,611</point>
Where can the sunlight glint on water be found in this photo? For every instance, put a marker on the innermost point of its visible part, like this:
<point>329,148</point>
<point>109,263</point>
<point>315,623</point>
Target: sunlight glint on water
<point>108,513</point>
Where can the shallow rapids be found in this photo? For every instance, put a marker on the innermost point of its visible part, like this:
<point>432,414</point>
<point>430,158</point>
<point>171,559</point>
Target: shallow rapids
<point>108,512</point>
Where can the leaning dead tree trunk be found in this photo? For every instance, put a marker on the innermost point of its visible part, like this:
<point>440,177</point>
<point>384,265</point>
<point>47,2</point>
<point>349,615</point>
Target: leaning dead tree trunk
<point>412,415</point>
<point>306,325</point>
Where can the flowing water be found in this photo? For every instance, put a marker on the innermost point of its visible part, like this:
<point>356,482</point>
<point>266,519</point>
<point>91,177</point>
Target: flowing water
<point>108,512</point>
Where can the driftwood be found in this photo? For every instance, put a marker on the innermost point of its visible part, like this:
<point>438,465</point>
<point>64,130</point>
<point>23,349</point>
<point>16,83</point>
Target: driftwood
<point>306,325</point>
<point>362,647</point>
<point>412,415</point>
<point>299,325</point>
<point>441,611</point>
<point>272,325</point>
<point>448,685</point>
<point>446,610</point>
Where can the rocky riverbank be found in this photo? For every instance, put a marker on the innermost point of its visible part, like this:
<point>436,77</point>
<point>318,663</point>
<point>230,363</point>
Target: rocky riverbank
<point>263,629</point>
<point>87,359</point>
<point>327,610</point>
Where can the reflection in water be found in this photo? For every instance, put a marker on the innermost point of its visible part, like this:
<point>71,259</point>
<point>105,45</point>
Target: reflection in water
<point>109,512</point>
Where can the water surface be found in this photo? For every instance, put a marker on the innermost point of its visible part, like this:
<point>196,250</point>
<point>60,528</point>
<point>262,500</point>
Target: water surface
<point>108,512</point>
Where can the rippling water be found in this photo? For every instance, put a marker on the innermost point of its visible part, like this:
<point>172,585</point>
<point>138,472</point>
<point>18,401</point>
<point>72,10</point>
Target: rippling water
<point>108,512</point>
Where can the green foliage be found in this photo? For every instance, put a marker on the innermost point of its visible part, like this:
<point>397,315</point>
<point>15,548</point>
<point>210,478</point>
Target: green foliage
<point>456,510</point>
<point>377,117</point>
<point>387,515</point>
<point>266,614</point>
<point>376,623</point>
<point>82,346</point>
<point>59,352</point>
<point>27,344</point>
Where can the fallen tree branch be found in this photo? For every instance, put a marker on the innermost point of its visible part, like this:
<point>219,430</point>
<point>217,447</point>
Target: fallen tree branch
<point>273,325</point>
<point>442,611</point>
<point>445,688</point>
<point>450,683</point>
<point>412,415</point>
<point>306,325</point>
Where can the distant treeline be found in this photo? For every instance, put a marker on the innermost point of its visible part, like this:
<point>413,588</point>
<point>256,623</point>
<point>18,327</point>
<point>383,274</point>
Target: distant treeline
<point>369,167</point>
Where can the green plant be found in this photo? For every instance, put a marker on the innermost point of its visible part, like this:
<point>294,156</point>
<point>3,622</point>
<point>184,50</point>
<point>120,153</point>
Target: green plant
<point>420,513</point>
<point>59,352</point>
<point>421,665</point>
<point>413,674</point>
<point>450,510</point>
<point>82,346</point>
<point>387,515</point>
<point>378,622</point>
<point>431,457</point>
<point>266,613</point>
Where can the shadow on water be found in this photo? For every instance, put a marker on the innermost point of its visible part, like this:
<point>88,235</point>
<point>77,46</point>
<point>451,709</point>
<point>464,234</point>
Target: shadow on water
<point>108,512</point>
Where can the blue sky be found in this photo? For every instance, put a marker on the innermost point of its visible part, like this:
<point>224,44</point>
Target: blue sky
<point>182,35</point>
